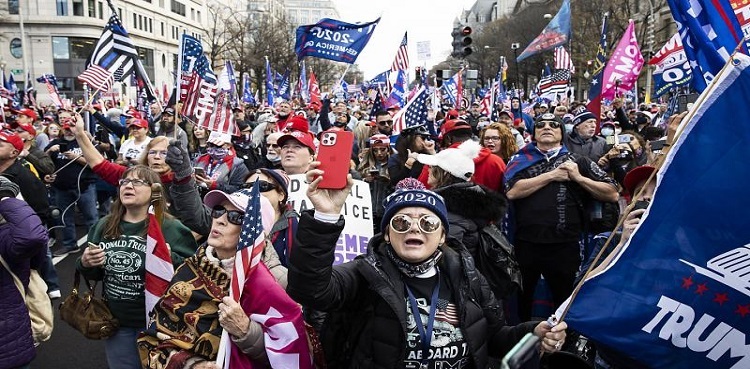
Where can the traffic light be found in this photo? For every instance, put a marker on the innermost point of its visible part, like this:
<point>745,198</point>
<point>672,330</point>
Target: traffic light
<point>461,42</point>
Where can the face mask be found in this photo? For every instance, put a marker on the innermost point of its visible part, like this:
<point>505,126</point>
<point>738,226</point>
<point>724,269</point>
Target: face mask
<point>568,128</point>
<point>218,153</point>
<point>273,156</point>
<point>122,120</point>
<point>607,132</point>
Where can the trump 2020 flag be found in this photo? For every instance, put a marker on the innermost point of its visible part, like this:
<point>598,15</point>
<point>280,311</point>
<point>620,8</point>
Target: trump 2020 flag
<point>678,294</point>
<point>672,67</point>
<point>624,66</point>
<point>710,32</point>
<point>555,34</point>
<point>333,40</point>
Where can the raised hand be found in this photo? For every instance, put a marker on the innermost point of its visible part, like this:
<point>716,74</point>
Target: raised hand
<point>326,200</point>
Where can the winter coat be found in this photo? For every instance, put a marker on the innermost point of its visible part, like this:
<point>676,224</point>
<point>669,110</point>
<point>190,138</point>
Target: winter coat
<point>470,208</point>
<point>228,174</point>
<point>592,148</point>
<point>374,285</point>
<point>23,242</point>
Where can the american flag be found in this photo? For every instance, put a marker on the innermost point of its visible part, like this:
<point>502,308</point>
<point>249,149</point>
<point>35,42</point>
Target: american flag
<point>413,114</point>
<point>159,268</point>
<point>29,96</point>
<point>562,59</point>
<point>304,89</point>
<point>446,312</point>
<point>377,104</point>
<point>98,78</point>
<point>50,82</point>
<point>401,62</point>
<point>486,102</point>
<point>555,83</point>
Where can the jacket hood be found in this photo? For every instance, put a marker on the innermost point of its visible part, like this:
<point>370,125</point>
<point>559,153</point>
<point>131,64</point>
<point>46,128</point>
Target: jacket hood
<point>474,201</point>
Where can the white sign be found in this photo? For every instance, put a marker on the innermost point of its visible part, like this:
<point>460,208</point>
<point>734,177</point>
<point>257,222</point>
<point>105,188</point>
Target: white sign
<point>423,50</point>
<point>357,214</point>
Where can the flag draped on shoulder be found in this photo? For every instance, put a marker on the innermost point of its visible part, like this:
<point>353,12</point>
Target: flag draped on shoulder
<point>678,294</point>
<point>710,32</point>
<point>200,92</point>
<point>556,33</point>
<point>401,61</point>
<point>159,268</point>
<point>333,40</point>
<point>280,317</point>
<point>672,67</point>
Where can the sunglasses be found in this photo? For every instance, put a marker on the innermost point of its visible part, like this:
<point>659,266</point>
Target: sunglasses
<point>233,216</point>
<point>551,123</point>
<point>385,122</point>
<point>401,223</point>
<point>263,186</point>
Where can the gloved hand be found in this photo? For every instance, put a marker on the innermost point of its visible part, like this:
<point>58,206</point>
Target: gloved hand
<point>179,160</point>
<point>8,188</point>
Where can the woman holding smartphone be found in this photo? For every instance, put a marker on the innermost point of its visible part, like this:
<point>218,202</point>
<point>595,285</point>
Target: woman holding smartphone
<point>118,257</point>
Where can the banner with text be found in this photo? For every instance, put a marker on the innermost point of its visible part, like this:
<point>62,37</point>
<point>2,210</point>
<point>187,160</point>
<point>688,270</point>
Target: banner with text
<point>357,213</point>
<point>333,40</point>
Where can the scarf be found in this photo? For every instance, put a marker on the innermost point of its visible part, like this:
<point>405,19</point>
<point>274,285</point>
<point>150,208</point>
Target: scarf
<point>528,156</point>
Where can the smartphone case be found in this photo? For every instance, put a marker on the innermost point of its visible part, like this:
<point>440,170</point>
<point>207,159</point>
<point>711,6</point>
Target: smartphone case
<point>334,155</point>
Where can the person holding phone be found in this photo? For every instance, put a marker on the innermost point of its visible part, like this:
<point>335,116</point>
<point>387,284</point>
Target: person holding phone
<point>374,170</point>
<point>420,301</point>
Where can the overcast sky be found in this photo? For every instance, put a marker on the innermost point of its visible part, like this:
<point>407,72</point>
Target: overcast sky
<point>425,20</point>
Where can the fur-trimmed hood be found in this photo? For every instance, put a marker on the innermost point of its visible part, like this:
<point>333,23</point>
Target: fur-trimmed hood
<point>473,201</point>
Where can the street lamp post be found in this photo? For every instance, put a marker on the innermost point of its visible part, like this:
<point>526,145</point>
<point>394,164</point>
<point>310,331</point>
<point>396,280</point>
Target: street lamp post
<point>514,46</point>
<point>650,43</point>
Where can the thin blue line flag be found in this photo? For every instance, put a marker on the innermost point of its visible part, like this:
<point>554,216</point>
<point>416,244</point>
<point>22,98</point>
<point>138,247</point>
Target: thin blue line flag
<point>555,34</point>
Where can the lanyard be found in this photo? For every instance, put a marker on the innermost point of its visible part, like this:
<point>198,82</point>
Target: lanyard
<point>425,336</point>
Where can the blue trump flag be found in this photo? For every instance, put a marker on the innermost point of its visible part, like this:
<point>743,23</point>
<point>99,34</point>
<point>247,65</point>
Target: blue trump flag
<point>710,32</point>
<point>398,93</point>
<point>270,88</point>
<point>555,34</point>
<point>333,40</point>
<point>678,293</point>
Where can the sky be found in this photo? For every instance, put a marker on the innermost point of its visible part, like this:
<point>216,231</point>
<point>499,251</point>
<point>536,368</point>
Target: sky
<point>424,20</point>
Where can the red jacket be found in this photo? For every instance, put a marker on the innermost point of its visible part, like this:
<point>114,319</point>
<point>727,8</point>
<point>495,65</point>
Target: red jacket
<point>489,170</point>
<point>111,173</point>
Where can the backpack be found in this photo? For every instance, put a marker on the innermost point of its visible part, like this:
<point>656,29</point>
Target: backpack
<point>496,260</point>
<point>37,302</point>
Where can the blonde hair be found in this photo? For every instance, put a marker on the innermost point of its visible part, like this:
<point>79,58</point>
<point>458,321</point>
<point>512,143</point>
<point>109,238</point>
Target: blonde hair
<point>507,142</point>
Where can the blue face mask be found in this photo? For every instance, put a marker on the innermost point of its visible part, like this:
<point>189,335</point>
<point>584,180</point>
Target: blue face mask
<point>568,128</point>
<point>606,132</point>
<point>122,120</point>
<point>217,153</point>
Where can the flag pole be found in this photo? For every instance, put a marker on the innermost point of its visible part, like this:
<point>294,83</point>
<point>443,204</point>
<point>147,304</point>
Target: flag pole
<point>333,89</point>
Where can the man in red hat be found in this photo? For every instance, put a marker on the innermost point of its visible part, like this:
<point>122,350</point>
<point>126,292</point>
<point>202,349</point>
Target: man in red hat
<point>312,110</point>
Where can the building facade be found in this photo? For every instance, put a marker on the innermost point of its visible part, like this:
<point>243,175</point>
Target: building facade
<point>58,36</point>
<point>301,12</point>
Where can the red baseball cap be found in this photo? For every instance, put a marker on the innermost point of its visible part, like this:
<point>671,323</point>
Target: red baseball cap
<point>29,113</point>
<point>297,123</point>
<point>138,122</point>
<point>635,176</point>
<point>380,140</point>
<point>452,125</point>
<point>305,138</point>
<point>12,138</point>
<point>26,127</point>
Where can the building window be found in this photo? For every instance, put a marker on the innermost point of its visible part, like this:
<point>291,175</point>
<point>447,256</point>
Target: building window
<point>161,3</point>
<point>199,16</point>
<point>13,6</point>
<point>192,14</point>
<point>162,29</point>
<point>92,8</point>
<point>60,49</point>
<point>78,7</point>
<point>101,10</point>
<point>140,22</point>
<point>150,25</point>
<point>119,12</point>
<point>135,20</point>
<point>62,7</point>
<point>81,48</point>
<point>146,56</point>
<point>178,8</point>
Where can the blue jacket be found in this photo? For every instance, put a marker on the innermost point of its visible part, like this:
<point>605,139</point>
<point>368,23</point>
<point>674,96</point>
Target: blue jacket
<point>23,242</point>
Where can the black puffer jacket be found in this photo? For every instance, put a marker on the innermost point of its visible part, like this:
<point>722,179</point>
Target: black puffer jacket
<point>470,208</point>
<point>372,286</point>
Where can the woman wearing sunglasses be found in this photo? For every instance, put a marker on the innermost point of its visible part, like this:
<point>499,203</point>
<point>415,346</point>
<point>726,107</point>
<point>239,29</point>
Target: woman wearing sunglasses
<point>117,256</point>
<point>186,334</point>
<point>419,300</point>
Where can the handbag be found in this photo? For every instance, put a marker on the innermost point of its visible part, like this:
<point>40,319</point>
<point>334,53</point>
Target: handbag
<point>496,260</point>
<point>37,302</point>
<point>88,314</point>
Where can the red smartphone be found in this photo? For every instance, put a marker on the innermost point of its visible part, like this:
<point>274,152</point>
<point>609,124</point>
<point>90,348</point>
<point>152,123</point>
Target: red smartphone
<point>334,155</point>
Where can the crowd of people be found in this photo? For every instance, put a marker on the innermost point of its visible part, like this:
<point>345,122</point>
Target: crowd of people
<point>552,178</point>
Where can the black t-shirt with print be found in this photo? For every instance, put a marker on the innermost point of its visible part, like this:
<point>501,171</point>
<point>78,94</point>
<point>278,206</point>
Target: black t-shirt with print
<point>448,349</point>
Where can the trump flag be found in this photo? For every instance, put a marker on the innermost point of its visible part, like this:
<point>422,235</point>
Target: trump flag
<point>333,40</point>
<point>678,294</point>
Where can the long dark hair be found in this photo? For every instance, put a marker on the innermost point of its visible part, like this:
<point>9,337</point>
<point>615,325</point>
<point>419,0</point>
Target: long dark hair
<point>404,143</point>
<point>112,228</point>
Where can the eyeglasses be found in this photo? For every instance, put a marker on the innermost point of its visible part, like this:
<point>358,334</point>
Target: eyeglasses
<point>133,181</point>
<point>233,216</point>
<point>272,146</point>
<point>157,153</point>
<point>551,123</point>
<point>492,138</point>
<point>386,122</point>
<point>263,186</point>
<point>401,223</point>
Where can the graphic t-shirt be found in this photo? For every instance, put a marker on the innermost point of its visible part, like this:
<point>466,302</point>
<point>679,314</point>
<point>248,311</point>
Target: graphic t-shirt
<point>125,265</point>
<point>131,150</point>
<point>448,349</point>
